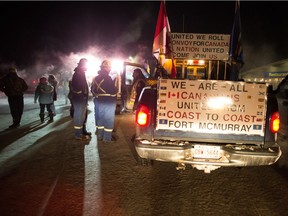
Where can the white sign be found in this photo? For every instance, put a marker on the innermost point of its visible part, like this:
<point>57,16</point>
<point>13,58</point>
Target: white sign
<point>211,106</point>
<point>200,46</point>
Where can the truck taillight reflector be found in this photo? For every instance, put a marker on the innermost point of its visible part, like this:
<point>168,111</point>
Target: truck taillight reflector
<point>142,115</point>
<point>275,122</point>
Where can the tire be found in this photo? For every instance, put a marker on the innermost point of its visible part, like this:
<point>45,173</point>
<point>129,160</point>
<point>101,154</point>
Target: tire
<point>144,162</point>
<point>140,161</point>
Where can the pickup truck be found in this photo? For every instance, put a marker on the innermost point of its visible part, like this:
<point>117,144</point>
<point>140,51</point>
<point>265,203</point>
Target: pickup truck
<point>207,124</point>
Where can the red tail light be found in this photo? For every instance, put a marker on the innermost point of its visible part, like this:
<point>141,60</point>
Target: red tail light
<point>142,115</point>
<point>275,122</point>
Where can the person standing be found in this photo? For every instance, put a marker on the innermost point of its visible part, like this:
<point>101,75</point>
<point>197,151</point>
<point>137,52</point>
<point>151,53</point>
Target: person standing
<point>66,89</point>
<point>53,81</point>
<point>139,82</point>
<point>14,86</point>
<point>44,93</point>
<point>70,99</point>
<point>104,91</point>
<point>79,91</point>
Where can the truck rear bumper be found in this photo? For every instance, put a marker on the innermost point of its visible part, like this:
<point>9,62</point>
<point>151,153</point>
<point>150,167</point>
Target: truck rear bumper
<point>230,154</point>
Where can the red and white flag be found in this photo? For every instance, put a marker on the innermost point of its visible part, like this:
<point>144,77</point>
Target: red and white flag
<point>162,45</point>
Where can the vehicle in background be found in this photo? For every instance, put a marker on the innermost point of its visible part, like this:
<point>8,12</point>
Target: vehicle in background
<point>125,86</point>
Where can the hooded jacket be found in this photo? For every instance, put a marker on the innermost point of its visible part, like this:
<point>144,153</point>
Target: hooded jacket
<point>44,91</point>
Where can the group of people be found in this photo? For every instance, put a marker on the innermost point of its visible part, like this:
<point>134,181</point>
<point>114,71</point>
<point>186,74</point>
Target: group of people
<point>104,91</point>
<point>103,88</point>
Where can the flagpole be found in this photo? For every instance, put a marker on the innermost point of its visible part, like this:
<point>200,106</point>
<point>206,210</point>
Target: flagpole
<point>225,70</point>
<point>209,69</point>
<point>162,42</point>
<point>217,69</point>
<point>236,51</point>
<point>183,22</point>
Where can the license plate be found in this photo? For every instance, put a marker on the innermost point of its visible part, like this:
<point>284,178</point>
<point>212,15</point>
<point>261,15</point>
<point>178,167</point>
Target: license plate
<point>201,151</point>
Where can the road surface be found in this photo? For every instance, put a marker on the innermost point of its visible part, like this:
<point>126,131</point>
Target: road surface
<point>45,171</point>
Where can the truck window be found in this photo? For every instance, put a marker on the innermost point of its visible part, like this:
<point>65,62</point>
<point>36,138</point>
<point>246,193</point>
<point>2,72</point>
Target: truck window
<point>196,72</point>
<point>191,69</point>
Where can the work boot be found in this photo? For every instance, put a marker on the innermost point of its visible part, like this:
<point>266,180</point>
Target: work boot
<point>51,115</point>
<point>82,137</point>
<point>85,132</point>
<point>41,117</point>
<point>14,125</point>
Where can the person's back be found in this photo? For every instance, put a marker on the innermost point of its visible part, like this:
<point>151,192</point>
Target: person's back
<point>44,92</point>
<point>13,85</point>
<point>103,86</point>
<point>104,91</point>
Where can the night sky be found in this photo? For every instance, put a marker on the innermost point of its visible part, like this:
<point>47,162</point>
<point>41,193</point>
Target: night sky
<point>42,30</point>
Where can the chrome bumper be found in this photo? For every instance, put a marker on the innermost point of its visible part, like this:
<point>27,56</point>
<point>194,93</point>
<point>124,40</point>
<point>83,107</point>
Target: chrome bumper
<point>230,154</point>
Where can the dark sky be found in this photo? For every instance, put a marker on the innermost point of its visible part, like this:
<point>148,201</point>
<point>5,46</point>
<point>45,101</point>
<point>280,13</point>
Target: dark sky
<point>42,30</point>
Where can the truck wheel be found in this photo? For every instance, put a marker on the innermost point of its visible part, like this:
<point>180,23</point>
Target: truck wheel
<point>144,162</point>
<point>140,161</point>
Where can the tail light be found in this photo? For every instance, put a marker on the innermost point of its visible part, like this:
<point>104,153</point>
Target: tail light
<point>142,115</point>
<point>275,122</point>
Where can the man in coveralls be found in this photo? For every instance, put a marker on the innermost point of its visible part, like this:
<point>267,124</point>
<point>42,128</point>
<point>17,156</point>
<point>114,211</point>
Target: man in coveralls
<point>79,97</point>
<point>104,91</point>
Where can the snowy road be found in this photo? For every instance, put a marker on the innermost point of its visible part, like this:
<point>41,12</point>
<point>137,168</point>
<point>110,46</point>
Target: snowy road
<point>44,171</point>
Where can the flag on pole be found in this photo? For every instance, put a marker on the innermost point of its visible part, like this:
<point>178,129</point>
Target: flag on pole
<point>162,46</point>
<point>236,49</point>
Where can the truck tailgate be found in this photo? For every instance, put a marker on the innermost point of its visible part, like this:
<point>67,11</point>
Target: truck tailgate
<point>210,110</point>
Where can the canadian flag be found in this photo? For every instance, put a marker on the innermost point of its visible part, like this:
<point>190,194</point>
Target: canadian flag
<point>162,44</point>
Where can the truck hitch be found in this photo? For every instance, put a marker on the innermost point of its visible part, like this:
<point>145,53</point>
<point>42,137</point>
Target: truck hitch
<point>181,166</point>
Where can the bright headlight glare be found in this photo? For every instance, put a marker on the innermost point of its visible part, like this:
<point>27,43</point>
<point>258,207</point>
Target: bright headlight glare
<point>219,102</point>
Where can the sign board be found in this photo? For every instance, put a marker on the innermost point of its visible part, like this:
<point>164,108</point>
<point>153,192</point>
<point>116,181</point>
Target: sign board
<point>211,106</point>
<point>200,46</point>
<point>276,74</point>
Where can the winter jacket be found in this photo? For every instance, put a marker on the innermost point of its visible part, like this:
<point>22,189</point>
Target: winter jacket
<point>54,83</point>
<point>103,87</point>
<point>137,87</point>
<point>13,85</point>
<point>44,92</point>
<point>79,89</point>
